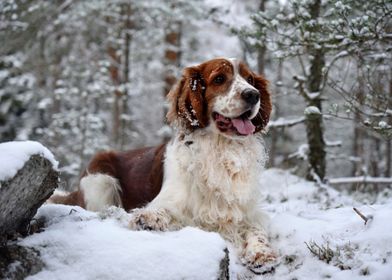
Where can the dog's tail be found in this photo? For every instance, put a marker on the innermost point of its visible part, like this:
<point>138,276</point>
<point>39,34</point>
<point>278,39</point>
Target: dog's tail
<point>67,198</point>
<point>95,193</point>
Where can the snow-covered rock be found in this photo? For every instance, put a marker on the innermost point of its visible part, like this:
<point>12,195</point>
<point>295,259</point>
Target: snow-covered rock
<point>13,155</point>
<point>28,176</point>
<point>78,244</point>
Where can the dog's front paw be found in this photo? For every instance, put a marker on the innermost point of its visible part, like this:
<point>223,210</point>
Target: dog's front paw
<point>146,219</point>
<point>262,261</point>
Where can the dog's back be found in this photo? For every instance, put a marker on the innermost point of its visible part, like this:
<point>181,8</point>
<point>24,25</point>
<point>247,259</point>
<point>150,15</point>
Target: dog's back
<point>129,179</point>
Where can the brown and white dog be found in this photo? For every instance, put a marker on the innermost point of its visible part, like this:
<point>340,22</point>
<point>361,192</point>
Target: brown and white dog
<point>207,175</point>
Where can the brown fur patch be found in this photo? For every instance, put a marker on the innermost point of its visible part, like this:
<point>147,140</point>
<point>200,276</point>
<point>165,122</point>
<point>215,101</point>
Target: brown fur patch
<point>262,118</point>
<point>139,172</point>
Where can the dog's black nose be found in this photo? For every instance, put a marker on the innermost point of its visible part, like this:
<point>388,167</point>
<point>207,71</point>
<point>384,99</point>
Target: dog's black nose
<point>250,95</point>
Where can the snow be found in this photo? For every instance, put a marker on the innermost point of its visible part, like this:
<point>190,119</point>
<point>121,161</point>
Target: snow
<point>283,122</point>
<point>302,152</point>
<point>13,156</point>
<point>302,212</point>
<point>312,110</point>
<point>78,244</point>
<point>383,124</point>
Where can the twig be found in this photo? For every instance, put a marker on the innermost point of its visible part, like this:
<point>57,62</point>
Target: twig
<point>366,219</point>
<point>323,252</point>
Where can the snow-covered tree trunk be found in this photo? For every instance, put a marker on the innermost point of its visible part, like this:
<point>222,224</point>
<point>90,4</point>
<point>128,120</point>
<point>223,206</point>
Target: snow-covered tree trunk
<point>22,195</point>
<point>316,144</point>
<point>314,124</point>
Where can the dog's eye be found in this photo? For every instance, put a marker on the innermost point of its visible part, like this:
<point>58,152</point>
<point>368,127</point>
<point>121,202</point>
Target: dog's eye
<point>250,80</point>
<point>220,79</point>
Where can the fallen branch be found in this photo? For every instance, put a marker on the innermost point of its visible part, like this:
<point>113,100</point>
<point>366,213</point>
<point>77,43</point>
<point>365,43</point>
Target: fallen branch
<point>365,218</point>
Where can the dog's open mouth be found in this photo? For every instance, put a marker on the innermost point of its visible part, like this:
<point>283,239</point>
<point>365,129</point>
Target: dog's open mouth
<point>240,125</point>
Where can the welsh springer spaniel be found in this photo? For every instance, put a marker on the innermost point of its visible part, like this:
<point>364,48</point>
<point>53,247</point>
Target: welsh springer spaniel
<point>207,175</point>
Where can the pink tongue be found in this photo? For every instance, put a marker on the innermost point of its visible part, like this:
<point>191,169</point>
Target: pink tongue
<point>243,126</point>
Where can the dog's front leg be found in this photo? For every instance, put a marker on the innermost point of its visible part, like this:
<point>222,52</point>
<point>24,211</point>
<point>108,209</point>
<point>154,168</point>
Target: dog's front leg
<point>159,219</point>
<point>165,212</point>
<point>257,254</point>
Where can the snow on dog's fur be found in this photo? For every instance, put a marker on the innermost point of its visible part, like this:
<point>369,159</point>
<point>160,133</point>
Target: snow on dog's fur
<point>207,175</point>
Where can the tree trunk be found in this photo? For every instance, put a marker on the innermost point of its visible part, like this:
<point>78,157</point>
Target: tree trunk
<point>124,122</point>
<point>115,76</point>
<point>314,124</point>
<point>172,61</point>
<point>21,196</point>
<point>388,151</point>
<point>357,144</point>
<point>261,50</point>
<point>388,163</point>
<point>172,57</point>
<point>375,157</point>
<point>274,130</point>
<point>316,143</point>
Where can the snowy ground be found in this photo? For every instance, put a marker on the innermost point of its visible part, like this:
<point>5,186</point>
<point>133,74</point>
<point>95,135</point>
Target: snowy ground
<point>301,212</point>
<point>86,245</point>
<point>78,244</point>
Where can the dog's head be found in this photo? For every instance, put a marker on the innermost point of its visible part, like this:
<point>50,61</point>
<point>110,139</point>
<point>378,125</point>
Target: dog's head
<point>222,95</point>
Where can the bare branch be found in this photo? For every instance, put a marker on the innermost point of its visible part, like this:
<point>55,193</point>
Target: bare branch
<point>365,218</point>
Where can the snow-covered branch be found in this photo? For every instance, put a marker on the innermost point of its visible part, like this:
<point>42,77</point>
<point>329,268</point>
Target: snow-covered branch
<point>282,122</point>
<point>360,179</point>
<point>329,65</point>
<point>336,143</point>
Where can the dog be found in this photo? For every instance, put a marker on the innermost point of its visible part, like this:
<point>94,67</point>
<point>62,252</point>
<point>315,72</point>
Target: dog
<point>207,175</point>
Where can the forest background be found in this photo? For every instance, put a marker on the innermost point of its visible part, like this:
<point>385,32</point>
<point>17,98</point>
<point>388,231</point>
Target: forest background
<point>84,76</point>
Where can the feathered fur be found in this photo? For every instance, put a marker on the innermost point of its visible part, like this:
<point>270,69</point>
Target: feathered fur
<point>207,175</point>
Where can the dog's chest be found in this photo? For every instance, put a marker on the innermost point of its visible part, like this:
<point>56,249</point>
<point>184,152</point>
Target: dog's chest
<point>220,167</point>
<point>220,178</point>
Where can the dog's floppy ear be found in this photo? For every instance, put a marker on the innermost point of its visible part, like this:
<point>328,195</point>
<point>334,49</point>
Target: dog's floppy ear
<point>262,118</point>
<point>186,100</point>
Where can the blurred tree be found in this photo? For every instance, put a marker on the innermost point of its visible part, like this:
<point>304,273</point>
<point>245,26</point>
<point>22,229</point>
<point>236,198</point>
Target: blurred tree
<point>318,35</point>
<point>82,76</point>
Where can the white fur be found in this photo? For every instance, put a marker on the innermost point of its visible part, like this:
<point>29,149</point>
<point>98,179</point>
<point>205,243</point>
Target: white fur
<point>211,181</point>
<point>213,184</point>
<point>100,191</point>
